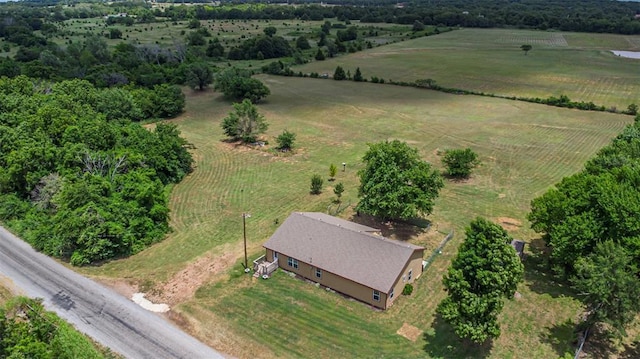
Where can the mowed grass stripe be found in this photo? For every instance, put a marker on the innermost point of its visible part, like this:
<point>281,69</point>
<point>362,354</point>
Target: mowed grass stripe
<point>525,148</point>
<point>295,325</point>
<point>490,60</point>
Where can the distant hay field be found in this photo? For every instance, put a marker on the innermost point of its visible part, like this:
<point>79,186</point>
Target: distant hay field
<point>578,65</point>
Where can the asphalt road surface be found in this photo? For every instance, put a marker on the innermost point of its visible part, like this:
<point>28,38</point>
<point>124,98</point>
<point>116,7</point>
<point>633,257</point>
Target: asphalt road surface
<point>107,317</point>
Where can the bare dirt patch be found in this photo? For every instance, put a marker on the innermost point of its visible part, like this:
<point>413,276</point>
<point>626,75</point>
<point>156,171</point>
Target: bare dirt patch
<point>410,332</point>
<point>510,224</point>
<point>123,287</point>
<point>183,285</point>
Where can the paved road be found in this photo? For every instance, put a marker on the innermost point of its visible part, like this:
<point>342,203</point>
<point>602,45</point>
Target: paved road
<point>104,315</point>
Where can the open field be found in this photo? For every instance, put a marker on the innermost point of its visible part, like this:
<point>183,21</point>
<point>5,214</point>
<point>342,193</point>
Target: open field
<point>524,148</point>
<point>578,65</point>
<point>231,33</point>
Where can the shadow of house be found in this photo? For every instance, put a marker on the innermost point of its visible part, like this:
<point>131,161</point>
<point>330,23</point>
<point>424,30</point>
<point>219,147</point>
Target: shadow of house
<point>442,342</point>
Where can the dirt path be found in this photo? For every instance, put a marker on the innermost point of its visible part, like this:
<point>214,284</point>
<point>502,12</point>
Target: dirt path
<point>184,284</point>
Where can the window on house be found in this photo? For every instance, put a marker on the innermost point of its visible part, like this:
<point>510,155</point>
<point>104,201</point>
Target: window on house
<point>293,263</point>
<point>410,273</point>
<point>391,294</point>
<point>318,273</point>
<point>376,295</point>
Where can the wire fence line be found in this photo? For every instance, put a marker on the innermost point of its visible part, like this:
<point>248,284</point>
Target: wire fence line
<point>437,251</point>
<point>582,340</point>
<point>336,208</point>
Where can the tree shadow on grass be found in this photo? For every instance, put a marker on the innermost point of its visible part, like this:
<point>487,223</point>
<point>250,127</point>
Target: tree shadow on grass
<point>563,338</point>
<point>540,276</point>
<point>443,342</point>
<point>602,343</point>
<point>631,351</point>
<point>400,230</point>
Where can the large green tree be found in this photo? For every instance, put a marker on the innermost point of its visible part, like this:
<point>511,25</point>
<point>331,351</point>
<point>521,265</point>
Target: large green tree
<point>339,74</point>
<point>485,271</point>
<point>607,280</point>
<point>239,85</point>
<point>396,183</point>
<point>244,123</point>
<point>199,75</point>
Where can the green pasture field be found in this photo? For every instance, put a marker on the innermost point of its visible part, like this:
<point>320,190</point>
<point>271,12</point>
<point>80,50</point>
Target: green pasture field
<point>578,65</point>
<point>524,148</point>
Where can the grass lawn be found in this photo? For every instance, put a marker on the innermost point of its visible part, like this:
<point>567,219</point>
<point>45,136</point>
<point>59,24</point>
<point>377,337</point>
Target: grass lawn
<point>578,65</point>
<point>524,149</point>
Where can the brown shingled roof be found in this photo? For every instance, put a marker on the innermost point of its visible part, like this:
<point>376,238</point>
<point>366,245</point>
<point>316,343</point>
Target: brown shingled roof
<point>341,247</point>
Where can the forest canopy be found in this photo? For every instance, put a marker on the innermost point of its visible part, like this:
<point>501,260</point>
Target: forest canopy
<point>78,181</point>
<point>600,203</point>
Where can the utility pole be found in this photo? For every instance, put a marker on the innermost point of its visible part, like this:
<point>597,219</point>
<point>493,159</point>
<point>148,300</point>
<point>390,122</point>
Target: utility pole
<point>244,234</point>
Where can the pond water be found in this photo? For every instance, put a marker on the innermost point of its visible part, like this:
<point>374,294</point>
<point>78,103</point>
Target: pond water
<point>627,54</point>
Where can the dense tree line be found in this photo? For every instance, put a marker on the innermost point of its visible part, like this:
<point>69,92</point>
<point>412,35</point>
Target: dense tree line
<point>78,179</point>
<point>597,204</point>
<point>584,16</point>
<point>27,330</point>
<point>590,222</point>
<point>93,60</point>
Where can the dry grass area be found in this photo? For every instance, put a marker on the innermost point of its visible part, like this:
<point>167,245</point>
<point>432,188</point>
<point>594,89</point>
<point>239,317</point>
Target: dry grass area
<point>409,331</point>
<point>5,293</point>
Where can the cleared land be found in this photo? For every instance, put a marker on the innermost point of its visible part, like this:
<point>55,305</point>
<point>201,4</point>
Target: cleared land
<point>578,65</point>
<point>524,148</point>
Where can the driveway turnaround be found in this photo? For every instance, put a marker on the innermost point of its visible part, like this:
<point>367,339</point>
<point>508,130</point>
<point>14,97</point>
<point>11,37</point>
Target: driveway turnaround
<point>107,317</point>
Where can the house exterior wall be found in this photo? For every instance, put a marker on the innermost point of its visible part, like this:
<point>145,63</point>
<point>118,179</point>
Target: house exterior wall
<point>333,281</point>
<point>415,266</point>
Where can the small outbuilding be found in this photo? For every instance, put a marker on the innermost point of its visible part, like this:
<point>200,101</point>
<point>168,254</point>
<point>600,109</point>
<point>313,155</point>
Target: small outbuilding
<point>344,256</point>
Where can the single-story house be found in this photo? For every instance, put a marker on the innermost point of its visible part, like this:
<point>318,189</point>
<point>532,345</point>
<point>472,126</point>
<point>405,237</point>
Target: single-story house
<point>347,257</point>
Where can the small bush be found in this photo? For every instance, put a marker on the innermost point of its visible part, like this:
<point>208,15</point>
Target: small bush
<point>408,289</point>
<point>316,184</point>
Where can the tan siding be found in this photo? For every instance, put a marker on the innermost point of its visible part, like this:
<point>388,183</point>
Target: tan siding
<point>335,282</point>
<point>415,265</point>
